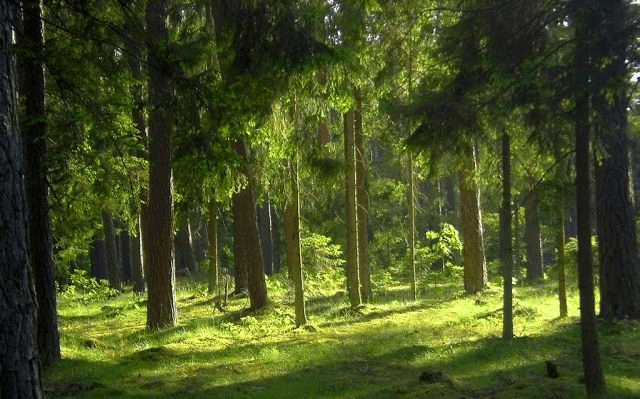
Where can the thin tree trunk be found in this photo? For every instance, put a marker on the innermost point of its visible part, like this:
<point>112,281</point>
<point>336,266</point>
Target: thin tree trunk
<point>36,185</point>
<point>506,240</point>
<point>19,363</point>
<point>98,254</point>
<point>247,240</point>
<point>137,261</point>
<point>113,267</point>
<point>593,376</point>
<point>361,199</point>
<point>124,252</point>
<point>353,272</point>
<point>560,240</point>
<point>239,257</point>
<point>292,240</point>
<point>266,236</point>
<point>214,270</point>
<point>161,304</point>
<point>475,271</point>
<point>411,202</point>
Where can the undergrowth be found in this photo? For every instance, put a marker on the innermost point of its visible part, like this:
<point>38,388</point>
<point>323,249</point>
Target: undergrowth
<point>444,345</point>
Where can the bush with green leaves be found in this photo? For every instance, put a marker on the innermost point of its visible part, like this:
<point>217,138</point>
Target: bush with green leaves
<point>442,246</point>
<point>322,261</point>
<point>88,288</point>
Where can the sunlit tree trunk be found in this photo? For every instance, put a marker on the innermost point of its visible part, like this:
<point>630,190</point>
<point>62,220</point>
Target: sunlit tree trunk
<point>475,271</point>
<point>353,272</point>
<point>361,200</point>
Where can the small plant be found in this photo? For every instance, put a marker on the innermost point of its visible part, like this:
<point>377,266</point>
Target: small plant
<point>443,246</point>
<point>88,288</point>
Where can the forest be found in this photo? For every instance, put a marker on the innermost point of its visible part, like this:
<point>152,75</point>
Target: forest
<point>319,199</point>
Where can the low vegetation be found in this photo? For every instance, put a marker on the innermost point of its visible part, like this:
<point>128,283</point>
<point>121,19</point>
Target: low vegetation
<point>444,345</point>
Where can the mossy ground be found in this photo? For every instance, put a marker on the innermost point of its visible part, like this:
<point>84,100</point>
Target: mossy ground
<point>379,351</point>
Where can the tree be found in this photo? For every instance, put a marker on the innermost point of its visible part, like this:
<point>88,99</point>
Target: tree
<point>113,260</point>
<point>361,200</point>
<point>292,240</point>
<point>161,304</point>
<point>532,235</point>
<point>583,18</point>
<point>506,243</point>
<point>34,130</point>
<point>19,362</point>
<point>353,271</point>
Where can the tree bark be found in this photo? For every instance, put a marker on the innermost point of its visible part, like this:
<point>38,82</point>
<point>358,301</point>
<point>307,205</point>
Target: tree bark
<point>292,240</point>
<point>19,361</point>
<point>113,266</point>
<point>36,184</point>
<point>411,202</point>
<point>247,242</point>
<point>353,272</point>
<point>124,241</point>
<point>475,271</point>
<point>593,376</point>
<point>361,200</point>
<point>161,304</point>
<point>98,254</point>
<point>266,236</point>
<point>137,259</point>
<point>506,248</point>
<point>560,237</point>
<point>532,236</point>
<point>185,260</point>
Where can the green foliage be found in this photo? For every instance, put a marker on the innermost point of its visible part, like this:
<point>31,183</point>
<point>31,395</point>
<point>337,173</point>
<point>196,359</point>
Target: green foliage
<point>84,288</point>
<point>322,261</point>
<point>444,245</point>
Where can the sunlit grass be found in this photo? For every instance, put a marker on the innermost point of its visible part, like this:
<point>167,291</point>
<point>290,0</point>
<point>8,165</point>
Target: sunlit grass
<point>377,352</point>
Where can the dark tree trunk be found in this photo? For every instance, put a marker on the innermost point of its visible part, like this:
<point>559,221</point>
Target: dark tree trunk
<point>619,267</point>
<point>98,254</point>
<point>532,236</point>
<point>560,236</point>
<point>593,376</point>
<point>353,272</point>
<point>161,305</point>
<point>247,242</point>
<point>266,236</point>
<point>411,203</point>
<point>124,241</point>
<point>185,260</point>
<point>276,232</point>
<point>475,271</point>
<point>113,267</point>
<point>19,360</point>
<point>35,147</point>
<point>361,199</point>
<point>506,248</point>
<point>239,257</point>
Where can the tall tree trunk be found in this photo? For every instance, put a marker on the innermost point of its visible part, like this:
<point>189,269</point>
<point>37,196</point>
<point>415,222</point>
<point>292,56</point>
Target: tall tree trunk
<point>532,236</point>
<point>247,240</point>
<point>361,199</point>
<point>36,185</point>
<point>19,360</point>
<point>113,266</point>
<point>560,238</point>
<point>292,241</point>
<point>475,271</point>
<point>411,202</point>
<point>161,304</point>
<point>214,270</point>
<point>266,236</point>
<point>276,234</point>
<point>137,260</point>
<point>593,376</point>
<point>506,240</point>
<point>239,261</point>
<point>124,249</point>
<point>185,260</point>
<point>619,265</point>
<point>353,272</point>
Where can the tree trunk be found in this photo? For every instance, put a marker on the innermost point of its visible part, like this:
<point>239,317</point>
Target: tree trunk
<point>411,202</point>
<point>19,360</point>
<point>292,241</point>
<point>560,237</point>
<point>185,261</point>
<point>124,241</point>
<point>619,266</point>
<point>161,305</point>
<point>266,236</point>
<point>506,248</point>
<point>214,271</point>
<point>276,235</point>
<point>137,260</point>
<point>98,254</point>
<point>247,244</point>
<point>36,185</point>
<point>532,236</point>
<point>113,267</point>
<point>475,271</point>
<point>593,376</point>
<point>361,199</point>
<point>353,272</point>
<point>239,261</point>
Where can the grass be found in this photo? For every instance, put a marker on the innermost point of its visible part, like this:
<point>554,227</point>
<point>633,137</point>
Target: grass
<point>449,341</point>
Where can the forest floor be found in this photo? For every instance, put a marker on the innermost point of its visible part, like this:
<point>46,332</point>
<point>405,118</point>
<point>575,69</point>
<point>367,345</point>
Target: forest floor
<point>444,345</point>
